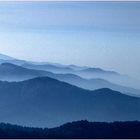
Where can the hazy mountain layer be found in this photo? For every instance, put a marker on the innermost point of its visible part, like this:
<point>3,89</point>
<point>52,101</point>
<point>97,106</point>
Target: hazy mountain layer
<point>44,100</point>
<point>85,72</point>
<point>11,72</point>
<point>89,73</point>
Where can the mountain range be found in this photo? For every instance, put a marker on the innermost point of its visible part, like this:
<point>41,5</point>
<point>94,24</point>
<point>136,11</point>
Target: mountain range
<point>88,73</point>
<point>12,72</point>
<point>82,71</point>
<point>42,100</point>
<point>40,93</point>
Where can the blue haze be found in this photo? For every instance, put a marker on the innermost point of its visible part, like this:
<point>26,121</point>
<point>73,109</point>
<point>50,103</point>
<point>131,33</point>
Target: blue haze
<point>97,34</point>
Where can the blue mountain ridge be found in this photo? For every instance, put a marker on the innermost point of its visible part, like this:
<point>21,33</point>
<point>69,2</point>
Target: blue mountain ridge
<point>44,100</point>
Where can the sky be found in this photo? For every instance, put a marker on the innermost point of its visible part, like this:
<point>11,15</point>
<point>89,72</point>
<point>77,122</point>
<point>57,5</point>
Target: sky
<point>96,34</point>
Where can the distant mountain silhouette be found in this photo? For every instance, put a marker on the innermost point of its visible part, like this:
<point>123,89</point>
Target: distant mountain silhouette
<point>82,71</point>
<point>67,69</point>
<point>74,67</point>
<point>98,70</point>
<point>11,72</point>
<point>41,101</point>
<point>88,73</point>
<point>75,130</point>
<point>49,67</point>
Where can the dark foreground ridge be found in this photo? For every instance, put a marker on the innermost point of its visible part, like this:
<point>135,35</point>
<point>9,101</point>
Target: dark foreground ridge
<point>79,129</point>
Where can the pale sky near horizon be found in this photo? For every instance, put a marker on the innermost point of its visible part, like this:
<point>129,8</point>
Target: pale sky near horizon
<point>97,34</point>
